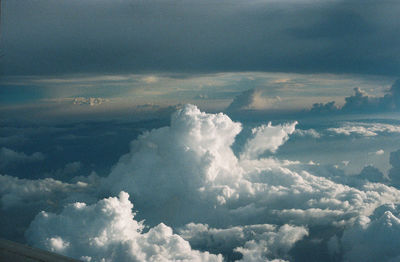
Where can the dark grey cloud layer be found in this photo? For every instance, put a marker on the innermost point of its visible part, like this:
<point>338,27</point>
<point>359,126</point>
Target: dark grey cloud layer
<point>57,37</point>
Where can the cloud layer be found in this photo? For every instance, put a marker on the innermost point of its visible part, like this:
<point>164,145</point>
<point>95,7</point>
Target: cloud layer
<point>185,178</point>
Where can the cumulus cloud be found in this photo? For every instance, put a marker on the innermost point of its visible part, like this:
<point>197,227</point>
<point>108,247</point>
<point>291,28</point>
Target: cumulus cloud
<point>251,99</point>
<point>107,231</point>
<point>91,101</point>
<point>191,163</point>
<point>9,156</point>
<point>267,138</point>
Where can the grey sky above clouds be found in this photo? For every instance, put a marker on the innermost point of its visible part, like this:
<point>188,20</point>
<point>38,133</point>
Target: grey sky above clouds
<point>309,36</point>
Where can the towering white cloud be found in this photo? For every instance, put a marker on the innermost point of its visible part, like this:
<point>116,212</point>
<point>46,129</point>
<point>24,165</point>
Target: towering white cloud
<point>188,172</point>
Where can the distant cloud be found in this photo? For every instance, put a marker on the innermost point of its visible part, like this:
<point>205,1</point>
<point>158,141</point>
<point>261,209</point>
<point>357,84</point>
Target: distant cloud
<point>307,132</point>
<point>42,192</point>
<point>364,129</point>
<point>394,172</point>
<point>91,101</point>
<point>329,107</point>
<point>69,170</point>
<point>361,102</point>
<point>372,174</point>
<point>380,152</point>
<point>9,156</point>
<point>251,99</point>
<point>150,79</point>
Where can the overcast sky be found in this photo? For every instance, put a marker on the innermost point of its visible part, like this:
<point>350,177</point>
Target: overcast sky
<point>58,37</point>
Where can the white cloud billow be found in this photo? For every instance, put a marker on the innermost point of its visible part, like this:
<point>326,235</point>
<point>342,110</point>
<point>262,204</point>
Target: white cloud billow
<point>106,231</point>
<point>267,138</point>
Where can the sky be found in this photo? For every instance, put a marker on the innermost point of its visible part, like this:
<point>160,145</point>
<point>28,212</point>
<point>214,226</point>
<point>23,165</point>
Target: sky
<point>229,130</point>
<point>163,53</point>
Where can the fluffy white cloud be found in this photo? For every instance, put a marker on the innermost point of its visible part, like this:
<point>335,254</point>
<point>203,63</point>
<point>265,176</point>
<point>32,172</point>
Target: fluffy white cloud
<point>266,138</point>
<point>365,129</point>
<point>107,231</point>
<point>8,156</point>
